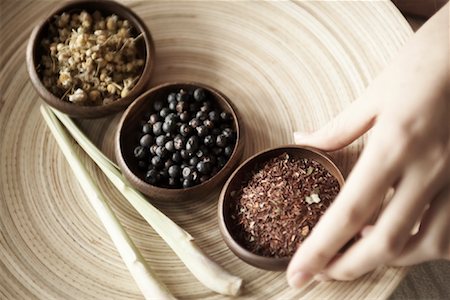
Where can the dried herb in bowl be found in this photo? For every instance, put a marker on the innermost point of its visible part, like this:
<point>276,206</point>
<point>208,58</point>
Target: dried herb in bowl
<point>90,59</point>
<point>279,203</point>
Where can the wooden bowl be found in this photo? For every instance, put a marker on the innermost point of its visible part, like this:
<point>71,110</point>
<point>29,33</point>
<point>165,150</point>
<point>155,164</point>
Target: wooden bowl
<point>240,175</point>
<point>145,46</point>
<point>130,124</point>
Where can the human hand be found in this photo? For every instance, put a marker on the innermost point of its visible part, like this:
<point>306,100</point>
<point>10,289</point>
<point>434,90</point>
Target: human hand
<point>408,109</point>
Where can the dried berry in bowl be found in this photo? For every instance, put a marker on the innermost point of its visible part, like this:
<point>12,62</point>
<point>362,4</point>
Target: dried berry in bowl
<point>272,201</point>
<point>179,141</point>
<point>185,139</point>
<point>90,58</point>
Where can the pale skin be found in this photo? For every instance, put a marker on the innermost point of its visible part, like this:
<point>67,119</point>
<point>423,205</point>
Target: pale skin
<point>407,110</point>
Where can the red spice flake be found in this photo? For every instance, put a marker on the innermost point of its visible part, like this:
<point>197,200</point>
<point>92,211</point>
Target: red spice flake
<point>277,207</point>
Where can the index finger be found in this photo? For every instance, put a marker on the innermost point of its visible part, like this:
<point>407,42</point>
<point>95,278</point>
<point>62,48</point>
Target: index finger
<point>357,202</point>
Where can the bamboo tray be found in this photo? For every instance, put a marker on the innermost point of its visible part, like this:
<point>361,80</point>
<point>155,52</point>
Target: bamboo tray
<point>286,66</point>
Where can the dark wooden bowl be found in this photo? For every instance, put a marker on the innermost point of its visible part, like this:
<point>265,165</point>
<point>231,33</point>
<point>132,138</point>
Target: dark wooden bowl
<point>130,124</point>
<point>234,183</point>
<point>145,45</point>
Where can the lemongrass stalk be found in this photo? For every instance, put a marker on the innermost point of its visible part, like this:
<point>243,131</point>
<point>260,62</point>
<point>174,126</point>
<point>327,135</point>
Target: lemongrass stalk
<point>182,243</point>
<point>150,286</point>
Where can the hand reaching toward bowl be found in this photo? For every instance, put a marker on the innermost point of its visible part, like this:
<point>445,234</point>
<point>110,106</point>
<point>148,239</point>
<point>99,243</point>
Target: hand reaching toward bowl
<point>408,109</point>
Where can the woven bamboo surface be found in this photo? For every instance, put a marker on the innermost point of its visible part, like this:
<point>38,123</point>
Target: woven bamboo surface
<point>286,66</point>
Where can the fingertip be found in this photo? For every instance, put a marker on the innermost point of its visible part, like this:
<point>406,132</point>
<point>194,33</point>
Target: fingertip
<point>343,129</point>
<point>300,137</point>
<point>299,279</point>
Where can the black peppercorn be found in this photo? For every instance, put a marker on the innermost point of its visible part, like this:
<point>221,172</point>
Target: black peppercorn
<point>225,116</point>
<point>201,115</point>
<point>173,106</point>
<point>199,95</point>
<point>152,176</point>
<point>146,140</point>
<point>182,95</point>
<point>157,161</point>
<point>168,163</point>
<point>162,152</point>
<point>195,176</point>
<point>176,157</point>
<point>204,167</point>
<point>178,142</point>
<point>221,141</point>
<point>185,130</point>
<point>214,116</point>
<point>194,122</point>
<point>184,116</point>
<point>147,128</point>
<point>172,117</point>
<point>170,146</point>
<point>172,97</point>
<point>181,106</point>
<point>187,183</point>
<point>192,144</point>
<point>140,152</point>
<point>161,140</point>
<point>200,154</point>
<point>202,130</point>
<point>227,132</point>
<point>207,106</point>
<point>174,171</point>
<point>187,172</point>
<point>164,112</point>
<point>209,124</point>
<point>185,154</point>
<point>153,119</point>
<point>228,151</point>
<point>153,149</point>
<point>193,161</point>
<point>157,128</point>
<point>209,141</point>
<point>169,126</point>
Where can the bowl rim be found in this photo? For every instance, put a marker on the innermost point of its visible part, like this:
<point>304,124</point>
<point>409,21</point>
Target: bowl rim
<point>98,110</point>
<point>259,261</point>
<point>131,176</point>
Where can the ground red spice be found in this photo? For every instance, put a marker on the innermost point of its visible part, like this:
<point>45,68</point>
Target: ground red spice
<point>275,210</point>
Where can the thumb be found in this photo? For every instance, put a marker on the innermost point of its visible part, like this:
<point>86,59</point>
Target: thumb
<point>346,127</point>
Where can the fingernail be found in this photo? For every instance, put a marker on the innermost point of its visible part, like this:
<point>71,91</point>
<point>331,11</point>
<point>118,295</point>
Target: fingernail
<point>299,279</point>
<point>300,136</point>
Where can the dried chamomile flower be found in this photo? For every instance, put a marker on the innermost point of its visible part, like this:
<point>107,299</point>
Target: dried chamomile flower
<point>78,96</point>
